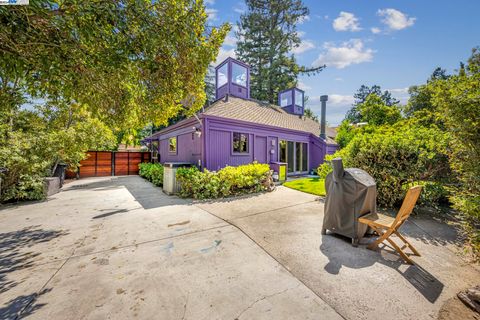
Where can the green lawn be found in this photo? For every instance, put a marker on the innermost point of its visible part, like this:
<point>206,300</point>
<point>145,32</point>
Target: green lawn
<point>308,185</point>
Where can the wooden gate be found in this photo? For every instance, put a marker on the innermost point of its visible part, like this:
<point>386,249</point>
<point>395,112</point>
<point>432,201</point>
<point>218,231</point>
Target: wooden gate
<point>126,163</point>
<point>107,163</point>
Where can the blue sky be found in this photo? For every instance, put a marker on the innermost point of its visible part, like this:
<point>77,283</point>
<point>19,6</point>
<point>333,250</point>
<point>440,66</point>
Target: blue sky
<point>394,44</point>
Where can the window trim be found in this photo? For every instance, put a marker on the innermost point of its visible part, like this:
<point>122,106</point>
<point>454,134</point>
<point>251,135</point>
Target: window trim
<point>236,153</point>
<point>176,145</point>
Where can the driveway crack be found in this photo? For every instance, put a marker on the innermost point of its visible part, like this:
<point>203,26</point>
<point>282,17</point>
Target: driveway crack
<point>261,299</point>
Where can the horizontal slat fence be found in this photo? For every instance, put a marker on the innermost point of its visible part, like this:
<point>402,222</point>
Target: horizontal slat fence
<point>108,163</point>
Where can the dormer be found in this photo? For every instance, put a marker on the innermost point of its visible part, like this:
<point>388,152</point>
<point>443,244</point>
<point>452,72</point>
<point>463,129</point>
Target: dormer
<point>232,77</point>
<point>292,100</point>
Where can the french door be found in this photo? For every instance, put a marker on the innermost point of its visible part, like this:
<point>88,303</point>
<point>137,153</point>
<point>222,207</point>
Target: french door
<point>295,154</point>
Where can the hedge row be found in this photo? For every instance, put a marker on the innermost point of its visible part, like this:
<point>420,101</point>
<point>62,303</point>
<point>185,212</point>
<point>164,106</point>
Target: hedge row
<point>228,181</point>
<point>153,172</point>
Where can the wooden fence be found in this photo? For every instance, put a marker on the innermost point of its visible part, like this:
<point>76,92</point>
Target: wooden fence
<point>108,163</point>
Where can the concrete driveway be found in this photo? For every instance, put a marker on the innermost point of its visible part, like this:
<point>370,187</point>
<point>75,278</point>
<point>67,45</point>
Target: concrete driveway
<point>118,248</point>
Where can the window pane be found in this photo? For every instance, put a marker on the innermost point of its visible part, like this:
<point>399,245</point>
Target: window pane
<point>304,157</point>
<point>240,142</point>
<point>285,98</point>
<point>222,75</point>
<point>172,144</point>
<point>290,156</point>
<point>283,151</point>
<point>239,75</point>
<point>298,156</point>
<point>299,98</point>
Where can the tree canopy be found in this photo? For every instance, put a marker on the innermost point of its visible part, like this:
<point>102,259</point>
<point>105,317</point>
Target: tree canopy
<point>128,62</point>
<point>353,115</point>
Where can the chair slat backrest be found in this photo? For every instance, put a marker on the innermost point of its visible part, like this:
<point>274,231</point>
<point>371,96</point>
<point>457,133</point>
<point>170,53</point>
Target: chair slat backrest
<point>408,204</point>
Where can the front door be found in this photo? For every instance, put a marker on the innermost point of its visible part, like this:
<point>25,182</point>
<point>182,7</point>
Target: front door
<point>260,149</point>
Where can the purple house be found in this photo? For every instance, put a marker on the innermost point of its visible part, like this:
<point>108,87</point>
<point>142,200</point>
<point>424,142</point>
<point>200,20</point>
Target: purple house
<point>237,130</point>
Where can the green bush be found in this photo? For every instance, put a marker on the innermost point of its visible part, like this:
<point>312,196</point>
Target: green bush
<point>153,172</point>
<point>433,193</point>
<point>396,155</point>
<point>228,181</point>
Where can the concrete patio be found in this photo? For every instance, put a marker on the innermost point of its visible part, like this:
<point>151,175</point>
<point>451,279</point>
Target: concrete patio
<point>118,248</point>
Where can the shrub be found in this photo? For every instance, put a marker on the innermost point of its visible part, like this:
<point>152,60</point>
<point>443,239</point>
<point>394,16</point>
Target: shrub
<point>395,156</point>
<point>153,172</point>
<point>228,181</point>
<point>433,193</point>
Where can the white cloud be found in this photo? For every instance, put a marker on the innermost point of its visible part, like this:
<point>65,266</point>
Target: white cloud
<point>303,86</point>
<point>303,19</point>
<point>348,53</point>
<point>338,79</point>
<point>305,45</point>
<point>340,100</point>
<point>300,34</point>
<point>209,2</point>
<point>230,40</point>
<point>240,9</point>
<point>212,13</point>
<point>394,19</point>
<point>375,30</point>
<point>224,54</point>
<point>399,90</point>
<point>346,21</point>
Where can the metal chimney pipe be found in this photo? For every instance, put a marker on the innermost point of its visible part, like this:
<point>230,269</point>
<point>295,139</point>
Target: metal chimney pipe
<point>323,121</point>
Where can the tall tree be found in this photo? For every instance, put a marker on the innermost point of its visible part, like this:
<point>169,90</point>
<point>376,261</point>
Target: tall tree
<point>353,115</point>
<point>266,34</point>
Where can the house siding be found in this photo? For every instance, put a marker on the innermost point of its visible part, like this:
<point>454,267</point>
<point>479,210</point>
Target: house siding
<point>218,140</point>
<point>213,149</point>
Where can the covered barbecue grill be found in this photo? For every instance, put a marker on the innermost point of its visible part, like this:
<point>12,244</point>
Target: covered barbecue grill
<point>351,193</point>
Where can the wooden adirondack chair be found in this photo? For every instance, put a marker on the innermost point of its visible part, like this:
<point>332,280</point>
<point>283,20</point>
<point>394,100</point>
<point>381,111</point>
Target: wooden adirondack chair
<point>385,226</point>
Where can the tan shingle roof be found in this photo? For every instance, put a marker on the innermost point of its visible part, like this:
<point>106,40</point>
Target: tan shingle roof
<point>261,113</point>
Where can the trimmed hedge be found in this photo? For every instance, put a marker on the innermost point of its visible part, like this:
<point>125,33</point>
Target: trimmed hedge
<point>153,172</point>
<point>226,182</point>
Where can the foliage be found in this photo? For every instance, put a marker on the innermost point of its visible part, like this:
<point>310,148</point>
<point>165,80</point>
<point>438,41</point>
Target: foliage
<point>37,140</point>
<point>433,193</point>
<point>266,36</point>
<point>353,115</point>
<point>128,62</point>
<point>153,172</point>
<point>345,132</point>
<point>309,185</point>
<point>420,104</point>
<point>228,181</point>
<point>396,155</point>
<point>310,114</point>
<point>96,69</point>
<point>375,112</point>
<point>458,101</point>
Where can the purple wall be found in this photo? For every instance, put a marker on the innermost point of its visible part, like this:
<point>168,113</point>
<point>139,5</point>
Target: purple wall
<point>331,148</point>
<point>317,149</point>
<point>214,147</point>
<point>189,149</point>
<point>218,143</point>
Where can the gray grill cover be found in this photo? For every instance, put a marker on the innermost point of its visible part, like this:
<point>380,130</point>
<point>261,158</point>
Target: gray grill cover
<point>351,193</point>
